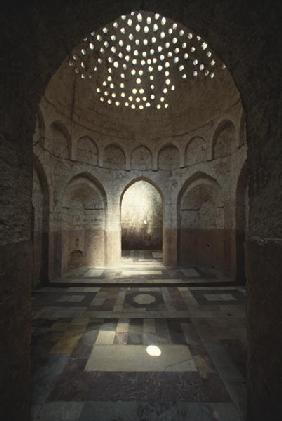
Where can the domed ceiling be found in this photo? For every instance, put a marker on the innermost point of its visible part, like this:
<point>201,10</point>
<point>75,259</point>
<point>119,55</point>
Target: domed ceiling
<point>146,66</point>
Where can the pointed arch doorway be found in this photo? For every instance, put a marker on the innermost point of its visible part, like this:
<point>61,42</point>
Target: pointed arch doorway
<point>142,222</point>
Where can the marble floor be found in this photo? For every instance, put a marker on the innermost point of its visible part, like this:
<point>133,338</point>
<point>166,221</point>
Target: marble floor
<point>143,266</point>
<point>143,353</point>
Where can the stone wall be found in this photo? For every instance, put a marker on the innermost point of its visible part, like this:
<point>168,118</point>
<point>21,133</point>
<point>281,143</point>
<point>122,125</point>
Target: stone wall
<point>214,152</point>
<point>83,225</point>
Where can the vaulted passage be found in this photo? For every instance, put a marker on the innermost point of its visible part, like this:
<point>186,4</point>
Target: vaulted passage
<point>142,218</point>
<point>140,212</point>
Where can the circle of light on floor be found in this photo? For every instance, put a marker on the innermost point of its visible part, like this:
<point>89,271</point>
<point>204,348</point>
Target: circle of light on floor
<point>153,351</point>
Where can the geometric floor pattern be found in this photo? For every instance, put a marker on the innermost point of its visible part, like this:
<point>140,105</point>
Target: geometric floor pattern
<point>139,353</point>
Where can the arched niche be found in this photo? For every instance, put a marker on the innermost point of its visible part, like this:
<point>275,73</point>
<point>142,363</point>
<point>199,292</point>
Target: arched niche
<point>142,220</point>
<point>60,140</point>
<point>201,224</point>
<point>196,151</point>
<point>168,158</point>
<point>114,157</point>
<point>83,224</point>
<point>40,224</point>
<point>87,151</point>
<point>241,218</point>
<point>141,158</point>
<point>224,140</point>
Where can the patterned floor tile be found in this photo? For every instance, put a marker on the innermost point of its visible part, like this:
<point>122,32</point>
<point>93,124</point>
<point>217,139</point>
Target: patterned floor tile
<point>201,367</point>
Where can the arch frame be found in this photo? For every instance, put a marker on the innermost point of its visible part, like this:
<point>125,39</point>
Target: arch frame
<point>165,146</point>
<point>220,127</point>
<point>188,143</point>
<point>157,188</point>
<point>140,146</point>
<point>197,179</point>
<point>93,142</point>
<point>122,149</point>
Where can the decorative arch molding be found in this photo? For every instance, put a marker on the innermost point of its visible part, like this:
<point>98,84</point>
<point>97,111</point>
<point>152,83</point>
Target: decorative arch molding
<point>114,156</point>
<point>169,157</point>
<point>141,178</point>
<point>224,139</point>
<point>198,177</point>
<point>196,151</point>
<point>89,178</point>
<point>62,145</point>
<point>141,158</point>
<point>87,150</point>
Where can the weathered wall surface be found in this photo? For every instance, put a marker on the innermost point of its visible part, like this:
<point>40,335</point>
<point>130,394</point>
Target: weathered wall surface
<point>83,225</point>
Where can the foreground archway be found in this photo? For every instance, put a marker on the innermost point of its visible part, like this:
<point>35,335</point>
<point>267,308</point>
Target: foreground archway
<point>243,43</point>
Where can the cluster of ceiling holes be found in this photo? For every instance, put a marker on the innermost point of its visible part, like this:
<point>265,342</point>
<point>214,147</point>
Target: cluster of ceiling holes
<point>136,60</point>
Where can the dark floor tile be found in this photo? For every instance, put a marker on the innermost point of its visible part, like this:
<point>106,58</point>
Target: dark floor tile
<point>237,352</point>
<point>76,385</point>
<point>135,332</point>
<point>109,411</point>
<point>176,332</point>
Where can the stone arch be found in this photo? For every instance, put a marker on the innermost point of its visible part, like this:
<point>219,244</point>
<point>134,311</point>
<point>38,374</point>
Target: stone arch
<point>169,157</point>
<point>195,151</point>
<point>87,150</point>
<point>201,223</point>
<point>141,158</point>
<point>83,223</point>
<point>40,224</point>
<point>114,157</point>
<point>60,140</point>
<point>141,221</point>
<point>223,142</point>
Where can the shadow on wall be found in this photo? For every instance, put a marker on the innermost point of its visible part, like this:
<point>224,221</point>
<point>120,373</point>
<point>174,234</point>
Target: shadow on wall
<point>201,224</point>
